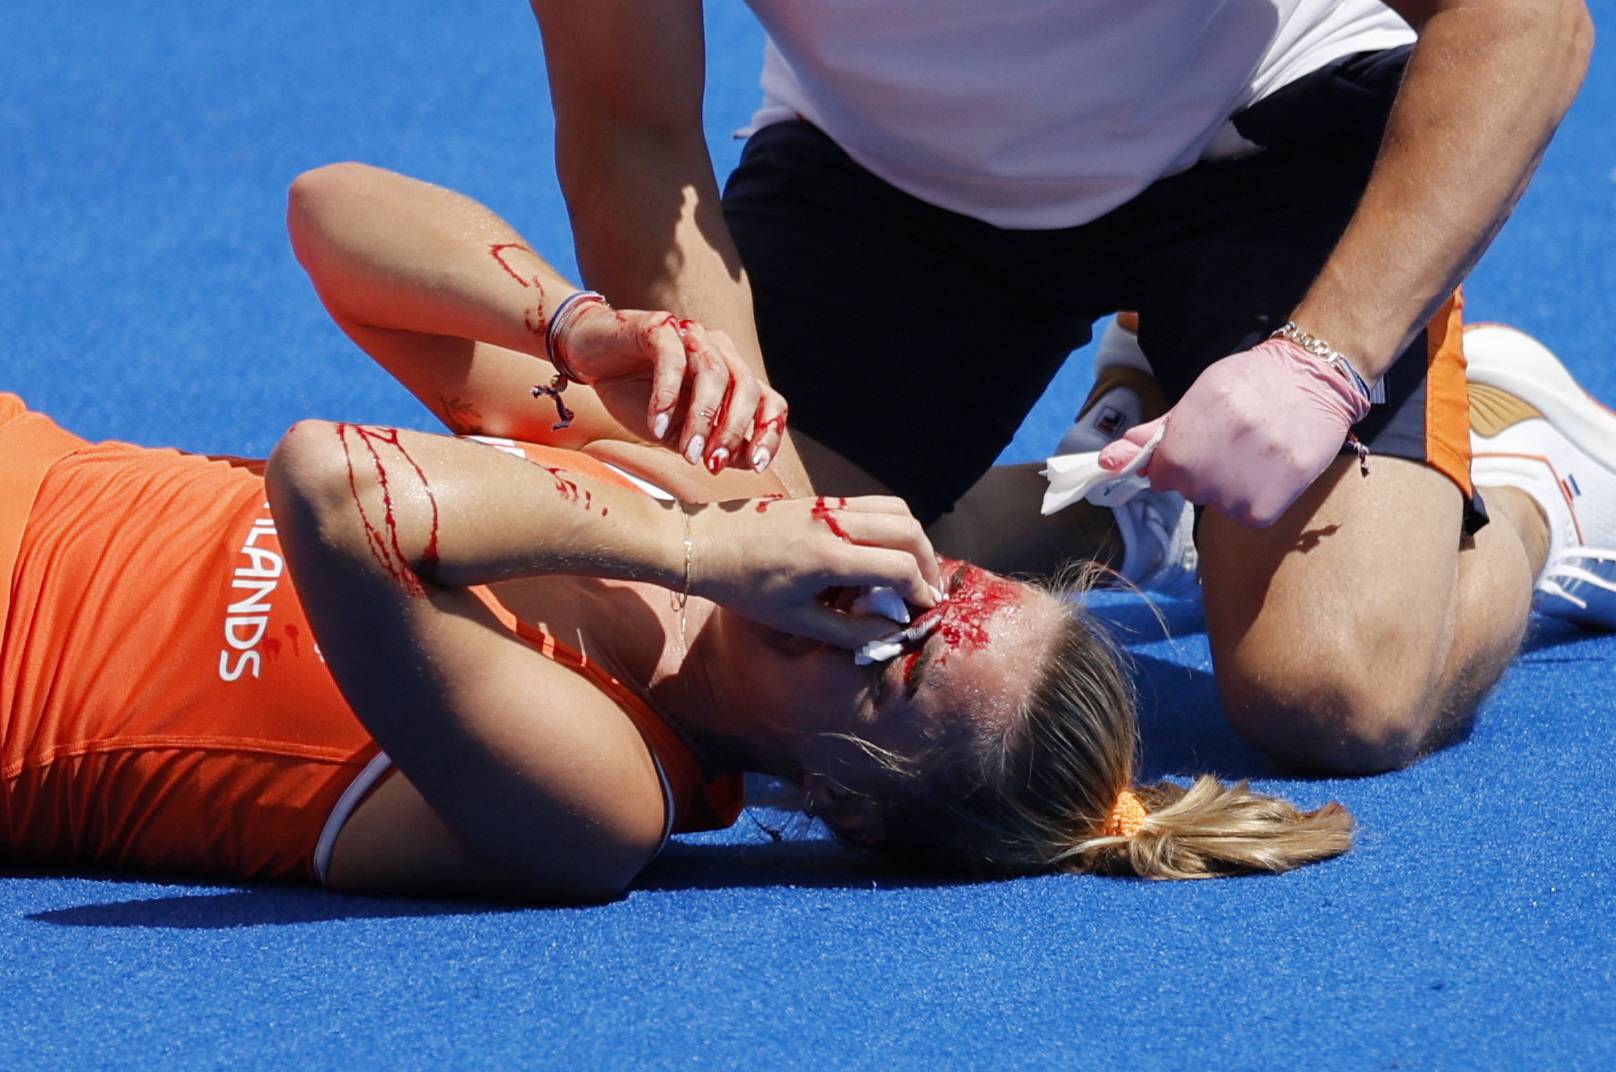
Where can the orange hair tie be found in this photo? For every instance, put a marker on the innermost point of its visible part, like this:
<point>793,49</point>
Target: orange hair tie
<point>1126,817</point>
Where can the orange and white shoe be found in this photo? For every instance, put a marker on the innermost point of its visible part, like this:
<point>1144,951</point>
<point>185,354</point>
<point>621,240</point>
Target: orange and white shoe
<point>1534,428</point>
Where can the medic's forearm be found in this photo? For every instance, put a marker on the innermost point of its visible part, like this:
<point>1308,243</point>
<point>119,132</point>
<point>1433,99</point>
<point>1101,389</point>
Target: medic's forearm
<point>1486,86</point>
<point>387,251</point>
<point>649,228</point>
<point>650,232</point>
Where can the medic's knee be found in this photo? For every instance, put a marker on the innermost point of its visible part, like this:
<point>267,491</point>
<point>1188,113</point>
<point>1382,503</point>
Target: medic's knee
<point>1330,707</point>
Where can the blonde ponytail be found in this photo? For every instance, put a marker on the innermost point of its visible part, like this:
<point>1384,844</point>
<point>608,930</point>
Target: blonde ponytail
<point>1212,829</point>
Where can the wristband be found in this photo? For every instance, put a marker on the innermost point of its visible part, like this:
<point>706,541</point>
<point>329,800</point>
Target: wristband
<point>565,313</point>
<point>1374,393</point>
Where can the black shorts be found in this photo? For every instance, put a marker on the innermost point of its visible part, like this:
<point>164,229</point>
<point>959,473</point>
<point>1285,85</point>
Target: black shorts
<point>914,340</point>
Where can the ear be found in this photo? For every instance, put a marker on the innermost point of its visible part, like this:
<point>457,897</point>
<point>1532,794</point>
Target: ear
<point>854,817</point>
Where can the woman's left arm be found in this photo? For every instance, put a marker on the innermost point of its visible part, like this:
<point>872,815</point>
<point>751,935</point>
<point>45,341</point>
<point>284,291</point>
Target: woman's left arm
<point>385,530</point>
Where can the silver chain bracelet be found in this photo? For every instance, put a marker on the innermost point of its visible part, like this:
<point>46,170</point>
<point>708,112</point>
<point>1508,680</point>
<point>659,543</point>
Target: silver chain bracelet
<point>1374,393</point>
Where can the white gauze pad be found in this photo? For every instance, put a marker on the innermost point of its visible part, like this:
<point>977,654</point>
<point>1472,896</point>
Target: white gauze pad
<point>1079,476</point>
<point>886,603</point>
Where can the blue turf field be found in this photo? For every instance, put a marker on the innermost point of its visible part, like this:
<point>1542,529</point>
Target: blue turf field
<point>147,293</point>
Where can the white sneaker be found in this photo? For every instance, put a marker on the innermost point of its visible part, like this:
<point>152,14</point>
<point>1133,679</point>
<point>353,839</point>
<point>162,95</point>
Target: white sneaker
<point>1157,527</point>
<point>1533,428</point>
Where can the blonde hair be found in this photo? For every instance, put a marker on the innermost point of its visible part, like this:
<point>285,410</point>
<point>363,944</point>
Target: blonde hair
<point>1037,797</point>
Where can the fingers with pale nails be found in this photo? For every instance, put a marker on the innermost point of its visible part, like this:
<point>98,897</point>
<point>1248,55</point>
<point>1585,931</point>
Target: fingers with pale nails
<point>706,386</point>
<point>736,419</point>
<point>705,400</point>
<point>774,560</point>
<point>663,343</point>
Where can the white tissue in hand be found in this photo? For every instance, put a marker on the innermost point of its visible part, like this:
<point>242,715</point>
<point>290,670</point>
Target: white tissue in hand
<point>1079,476</point>
<point>878,651</point>
<point>890,646</point>
<point>885,602</point>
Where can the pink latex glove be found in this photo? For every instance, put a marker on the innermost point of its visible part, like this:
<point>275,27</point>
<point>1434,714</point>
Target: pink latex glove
<point>1252,432</point>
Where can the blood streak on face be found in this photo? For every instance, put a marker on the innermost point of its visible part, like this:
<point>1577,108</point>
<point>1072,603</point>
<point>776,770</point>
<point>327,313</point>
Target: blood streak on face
<point>768,501</point>
<point>383,542</point>
<point>910,661</point>
<point>822,512</point>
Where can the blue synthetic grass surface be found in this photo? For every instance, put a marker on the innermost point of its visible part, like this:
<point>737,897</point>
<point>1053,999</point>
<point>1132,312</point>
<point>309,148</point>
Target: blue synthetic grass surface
<point>147,293</point>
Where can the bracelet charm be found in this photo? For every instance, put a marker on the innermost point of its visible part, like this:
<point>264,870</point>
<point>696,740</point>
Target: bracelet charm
<point>564,314</point>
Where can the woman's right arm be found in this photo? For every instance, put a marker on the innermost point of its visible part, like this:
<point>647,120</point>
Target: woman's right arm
<point>453,302</point>
<point>385,531</point>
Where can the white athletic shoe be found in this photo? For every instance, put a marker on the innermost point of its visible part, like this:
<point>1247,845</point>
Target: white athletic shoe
<point>1532,427</point>
<point>1157,527</point>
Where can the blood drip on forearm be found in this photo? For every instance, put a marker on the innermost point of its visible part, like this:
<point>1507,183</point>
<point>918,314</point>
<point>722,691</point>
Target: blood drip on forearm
<point>532,318</point>
<point>383,542</point>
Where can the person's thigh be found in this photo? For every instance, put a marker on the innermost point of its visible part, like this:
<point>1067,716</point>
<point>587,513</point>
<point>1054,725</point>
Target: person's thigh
<point>909,340</point>
<point>1327,626</point>
<point>1359,631</point>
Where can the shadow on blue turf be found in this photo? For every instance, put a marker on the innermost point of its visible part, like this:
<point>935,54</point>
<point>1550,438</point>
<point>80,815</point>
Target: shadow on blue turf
<point>820,864</point>
<point>1134,619</point>
<point>1550,640</point>
<point>1183,728</point>
<point>1180,720</point>
<point>250,906</point>
<point>808,863</point>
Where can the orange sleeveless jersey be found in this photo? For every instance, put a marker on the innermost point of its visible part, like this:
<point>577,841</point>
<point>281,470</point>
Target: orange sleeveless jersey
<point>163,704</point>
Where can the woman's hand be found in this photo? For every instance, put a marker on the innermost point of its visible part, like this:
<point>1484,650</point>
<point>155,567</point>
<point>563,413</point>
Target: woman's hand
<point>703,400</point>
<point>784,562</point>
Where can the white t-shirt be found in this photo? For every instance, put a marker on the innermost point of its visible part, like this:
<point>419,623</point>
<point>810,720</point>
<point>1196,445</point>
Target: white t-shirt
<point>1043,113</point>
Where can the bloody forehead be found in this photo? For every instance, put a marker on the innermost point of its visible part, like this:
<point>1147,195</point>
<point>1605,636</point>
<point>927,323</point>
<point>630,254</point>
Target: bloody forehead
<point>974,597</point>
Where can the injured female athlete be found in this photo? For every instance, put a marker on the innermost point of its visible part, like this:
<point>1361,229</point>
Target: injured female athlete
<point>390,661</point>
